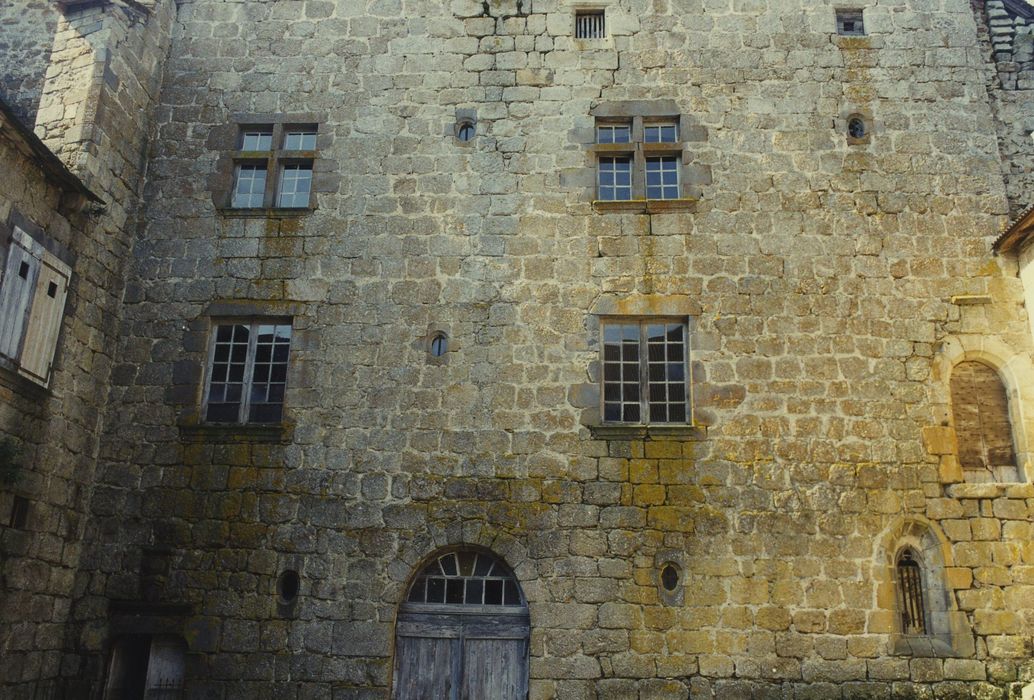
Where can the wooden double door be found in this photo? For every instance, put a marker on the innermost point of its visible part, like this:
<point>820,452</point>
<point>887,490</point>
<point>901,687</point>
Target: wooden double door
<point>461,654</point>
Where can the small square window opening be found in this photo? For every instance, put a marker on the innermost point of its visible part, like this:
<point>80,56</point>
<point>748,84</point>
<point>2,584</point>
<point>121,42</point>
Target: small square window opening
<point>850,22</point>
<point>590,24</point>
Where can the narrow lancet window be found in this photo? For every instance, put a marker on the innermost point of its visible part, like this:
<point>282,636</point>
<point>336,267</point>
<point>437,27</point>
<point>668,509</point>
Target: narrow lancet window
<point>910,589</point>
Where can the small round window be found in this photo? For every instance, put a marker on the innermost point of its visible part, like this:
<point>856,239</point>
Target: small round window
<point>669,577</point>
<point>465,130</point>
<point>439,344</point>
<point>287,586</point>
<point>856,127</point>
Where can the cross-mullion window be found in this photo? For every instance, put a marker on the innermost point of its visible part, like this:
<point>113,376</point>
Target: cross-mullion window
<point>274,166</point>
<point>645,372</point>
<point>247,373</point>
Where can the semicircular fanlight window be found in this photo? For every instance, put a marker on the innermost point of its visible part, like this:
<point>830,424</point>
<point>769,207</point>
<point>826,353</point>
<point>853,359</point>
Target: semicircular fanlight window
<point>465,578</point>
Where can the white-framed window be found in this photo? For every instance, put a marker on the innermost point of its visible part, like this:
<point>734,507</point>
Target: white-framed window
<point>661,132</point>
<point>249,189</point>
<point>615,178</point>
<point>645,371</point>
<point>662,177</point>
<point>247,371</point>
<point>291,164</point>
<point>33,291</point>
<point>613,133</point>
<point>295,185</point>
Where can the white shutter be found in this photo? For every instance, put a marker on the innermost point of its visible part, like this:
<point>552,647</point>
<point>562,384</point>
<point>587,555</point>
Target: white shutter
<point>16,290</point>
<point>48,307</point>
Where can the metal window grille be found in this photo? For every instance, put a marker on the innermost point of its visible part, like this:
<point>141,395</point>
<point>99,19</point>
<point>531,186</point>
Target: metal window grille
<point>645,372</point>
<point>465,578</point>
<point>590,25</point>
<point>850,23</point>
<point>247,374</point>
<point>910,586</point>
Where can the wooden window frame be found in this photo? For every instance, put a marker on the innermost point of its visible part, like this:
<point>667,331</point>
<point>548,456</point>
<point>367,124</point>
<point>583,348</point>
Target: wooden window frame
<point>644,378</point>
<point>244,410</point>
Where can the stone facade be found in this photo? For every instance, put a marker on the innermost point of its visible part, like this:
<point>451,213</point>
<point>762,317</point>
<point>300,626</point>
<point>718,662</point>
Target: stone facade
<point>830,284</point>
<point>26,36</point>
<point>1010,33</point>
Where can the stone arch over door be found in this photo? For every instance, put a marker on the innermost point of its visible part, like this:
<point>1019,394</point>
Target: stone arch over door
<point>462,630</point>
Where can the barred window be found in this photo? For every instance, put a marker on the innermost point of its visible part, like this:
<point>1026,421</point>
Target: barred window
<point>590,24</point>
<point>645,371</point>
<point>247,372</point>
<point>465,578</point>
<point>910,593</point>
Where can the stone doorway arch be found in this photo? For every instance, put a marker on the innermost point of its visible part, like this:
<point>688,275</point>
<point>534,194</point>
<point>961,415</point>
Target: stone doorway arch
<point>462,631</point>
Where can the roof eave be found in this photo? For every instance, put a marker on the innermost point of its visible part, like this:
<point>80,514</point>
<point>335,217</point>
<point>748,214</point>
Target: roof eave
<point>46,159</point>
<point>1018,233</point>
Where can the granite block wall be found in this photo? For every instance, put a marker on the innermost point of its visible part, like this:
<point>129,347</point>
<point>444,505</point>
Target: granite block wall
<point>827,280</point>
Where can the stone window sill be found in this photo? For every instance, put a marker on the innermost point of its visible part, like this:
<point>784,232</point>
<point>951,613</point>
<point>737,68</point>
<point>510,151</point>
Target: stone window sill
<point>921,646</point>
<point>265,212</point>
<point>276,433</point>
<point>645,206</point>
<point>648,432</point>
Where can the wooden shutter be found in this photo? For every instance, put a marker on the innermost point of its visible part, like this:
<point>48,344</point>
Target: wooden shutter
<point>17,288</point>
<point>48,307</point>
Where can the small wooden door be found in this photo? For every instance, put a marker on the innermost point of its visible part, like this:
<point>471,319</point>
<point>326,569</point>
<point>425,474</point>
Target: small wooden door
<point>463,633</point>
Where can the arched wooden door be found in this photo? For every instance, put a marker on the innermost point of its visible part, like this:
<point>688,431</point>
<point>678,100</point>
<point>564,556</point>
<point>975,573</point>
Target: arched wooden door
<point>462,632</point>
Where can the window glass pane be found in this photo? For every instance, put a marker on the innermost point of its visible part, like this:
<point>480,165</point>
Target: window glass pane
<point>615,178</point>
<point>660,133</point>
<point>475,591</point>
<point>250,186</point>
<point>418,593</point>
<point>435,590</point>
<point>493,592</point>
<point>484,565</point>
<point>613,133</point>
<point>256,139</point>
<point>300,139</point>
<point>662,177</point>
<point>295,184</point>
<point>454,591</point>
<point>448,564</point>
